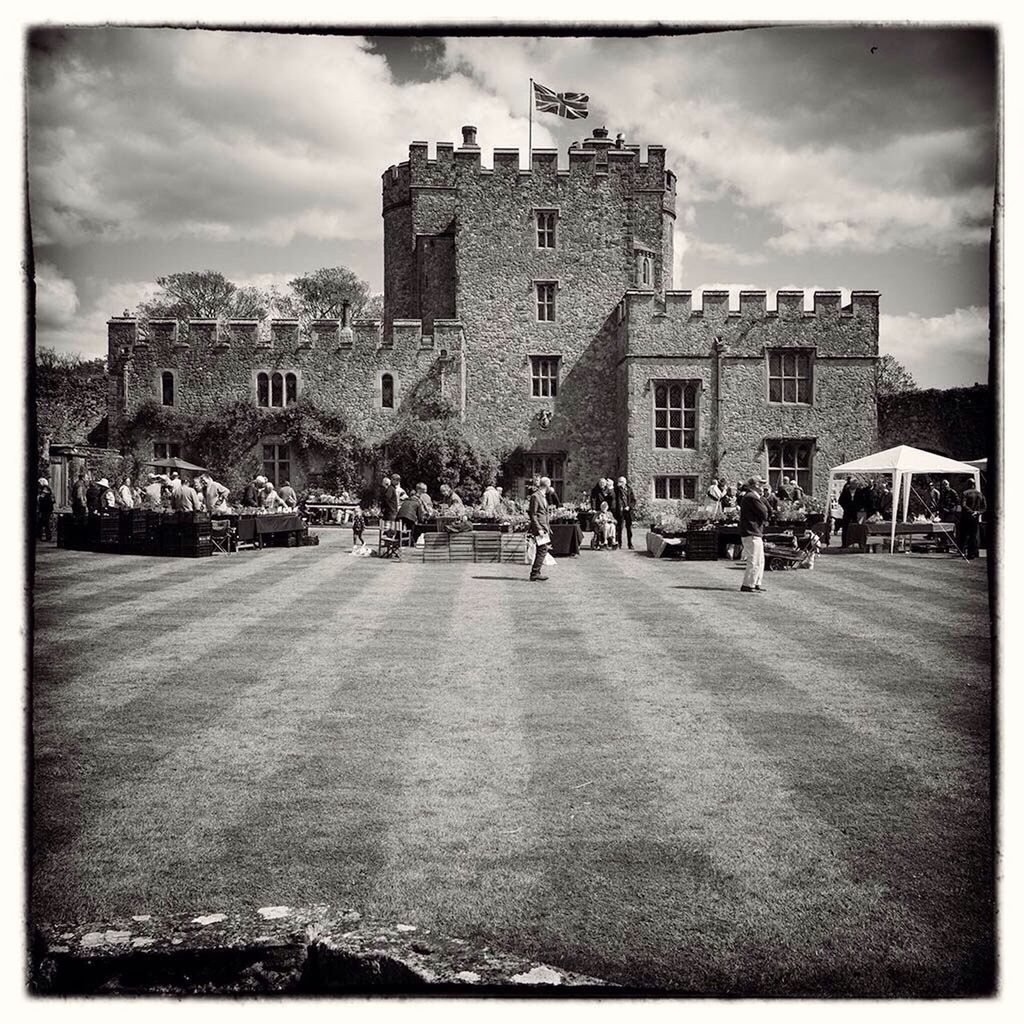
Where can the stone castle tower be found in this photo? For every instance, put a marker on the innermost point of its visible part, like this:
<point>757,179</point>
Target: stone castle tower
<point>532,264</point>
<point>538,306</point>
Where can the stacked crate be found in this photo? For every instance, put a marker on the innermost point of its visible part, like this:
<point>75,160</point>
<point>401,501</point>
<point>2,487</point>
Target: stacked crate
<point>460,547</point>
<point>109,533</point>
<point>153,538</point>
<point>513,547</point>
<point>169,535</point>
<point>194,535</point>
<point>488,546</point>
<point>137,531</point>
<point>435,547</point>
<point>702,545</point>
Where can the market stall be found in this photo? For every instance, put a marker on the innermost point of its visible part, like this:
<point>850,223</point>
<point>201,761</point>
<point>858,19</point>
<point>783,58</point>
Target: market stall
<point>566,538</point>
<point>902,463</point>
<point>264,529</point>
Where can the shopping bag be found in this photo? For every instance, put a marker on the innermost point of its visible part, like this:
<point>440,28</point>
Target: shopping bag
<point>548,558</point>
<point>530,551</point>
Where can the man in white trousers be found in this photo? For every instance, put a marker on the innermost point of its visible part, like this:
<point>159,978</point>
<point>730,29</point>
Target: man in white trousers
<point>753,519</point>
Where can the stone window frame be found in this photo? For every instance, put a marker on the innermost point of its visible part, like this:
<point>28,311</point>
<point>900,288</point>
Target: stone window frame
<point>644,259</point>
<point>380,391</point>
<point>808,352</point>
<point>534,359</point>
<point>682,479</point>
<point>802,474</point>
<point>551,229</point>
<point>278,444</point>
<point>172,449</point>
<point>538,284</point>
<point>173,404</point>
<point>534,464</point>
<point>284,373</point>
<point>668,383</point>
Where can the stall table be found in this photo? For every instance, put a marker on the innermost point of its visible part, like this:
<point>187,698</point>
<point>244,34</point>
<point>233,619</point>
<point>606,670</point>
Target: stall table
<point>257,529</point>
<point>566,538</point>
<point>943,532</point>
<point>331,513</point>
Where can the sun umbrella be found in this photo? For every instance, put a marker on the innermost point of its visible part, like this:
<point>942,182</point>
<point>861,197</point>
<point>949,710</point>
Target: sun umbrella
<point>177,464</point>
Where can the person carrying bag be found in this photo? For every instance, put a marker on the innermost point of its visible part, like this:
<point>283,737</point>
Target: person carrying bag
<point>540,529</point>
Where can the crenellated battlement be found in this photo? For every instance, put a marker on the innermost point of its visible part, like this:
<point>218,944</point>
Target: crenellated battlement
<point>168,341</point>
<point>753,305</point>
<point>590,161</point>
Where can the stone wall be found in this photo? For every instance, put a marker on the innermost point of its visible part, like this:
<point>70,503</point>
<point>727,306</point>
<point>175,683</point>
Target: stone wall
<point>609,204</point>
<point>338,369</point>
<point>956,422</point>
<point>460,323</point>
<point>670,341</point>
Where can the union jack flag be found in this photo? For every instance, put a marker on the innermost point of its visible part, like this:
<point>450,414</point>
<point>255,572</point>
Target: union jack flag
<point>572,105</point>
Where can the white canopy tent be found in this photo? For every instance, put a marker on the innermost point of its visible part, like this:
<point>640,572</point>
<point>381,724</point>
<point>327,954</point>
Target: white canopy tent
<point>981,464</point>
<point>901,463</point>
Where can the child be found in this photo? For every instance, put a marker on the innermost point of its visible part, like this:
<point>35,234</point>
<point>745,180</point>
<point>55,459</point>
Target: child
<point>604,527</point>
<point>358,524</point>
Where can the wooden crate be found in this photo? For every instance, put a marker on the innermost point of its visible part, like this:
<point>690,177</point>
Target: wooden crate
<point>487,547</point>
<point>435,547</point>
<point>461,547</point>
<point>513,547</point>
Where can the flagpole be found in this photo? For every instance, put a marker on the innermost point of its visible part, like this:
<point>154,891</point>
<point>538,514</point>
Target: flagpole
<point>529,150</point>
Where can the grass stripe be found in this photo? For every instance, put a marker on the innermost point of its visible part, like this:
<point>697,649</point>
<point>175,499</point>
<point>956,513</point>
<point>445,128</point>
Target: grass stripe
<point>149,714</point>
<point>930,853</point>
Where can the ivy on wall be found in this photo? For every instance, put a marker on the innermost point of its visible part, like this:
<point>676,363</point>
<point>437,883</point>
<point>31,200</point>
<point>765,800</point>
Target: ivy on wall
<point>227,439</point>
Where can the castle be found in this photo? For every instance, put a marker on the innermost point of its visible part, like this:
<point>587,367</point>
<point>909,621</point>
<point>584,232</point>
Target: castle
<point>539,305</point>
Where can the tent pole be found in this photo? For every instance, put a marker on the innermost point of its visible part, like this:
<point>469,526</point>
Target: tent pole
<point>895,499</point>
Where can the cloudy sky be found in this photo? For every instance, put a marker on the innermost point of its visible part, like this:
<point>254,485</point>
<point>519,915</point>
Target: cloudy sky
<point>828,158</point>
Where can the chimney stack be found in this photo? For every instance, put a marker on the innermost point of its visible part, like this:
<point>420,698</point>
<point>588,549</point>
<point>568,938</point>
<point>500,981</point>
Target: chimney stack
<point>469,137</point>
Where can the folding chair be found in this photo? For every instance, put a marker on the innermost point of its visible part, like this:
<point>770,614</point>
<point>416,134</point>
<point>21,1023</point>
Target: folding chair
<point>222,536</point>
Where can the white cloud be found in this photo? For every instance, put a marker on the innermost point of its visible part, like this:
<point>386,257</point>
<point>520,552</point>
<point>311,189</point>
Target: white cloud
<point>56,297</point>
<point>826,196</point>
<point>224,136</point>
<point>86,332</point>
<point>940,351</point>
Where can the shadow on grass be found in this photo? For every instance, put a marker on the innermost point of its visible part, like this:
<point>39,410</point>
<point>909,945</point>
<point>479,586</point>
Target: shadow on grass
<point>509,579</point>
<point>679,586</point>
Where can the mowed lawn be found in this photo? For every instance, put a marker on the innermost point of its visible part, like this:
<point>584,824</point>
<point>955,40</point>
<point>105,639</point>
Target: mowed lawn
<point>633,770</point>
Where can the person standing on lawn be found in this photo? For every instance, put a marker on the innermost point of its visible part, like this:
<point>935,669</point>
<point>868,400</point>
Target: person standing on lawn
<point>288,493</point>
<point>410,512</point>
<point>848,503</point>
<point>972,505</point>
<point>948,501</point>
<point>753,519</point>
<point>783,491</point>
<point>540,527</point>
<point>490,500</point>
<point>79,497</point>
<point>389,504</point>
<point>44,509</point>
<point>625,499</point>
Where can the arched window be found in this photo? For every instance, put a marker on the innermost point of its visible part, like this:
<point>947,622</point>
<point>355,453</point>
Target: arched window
<point>277,390</point>
<point>291,388</point>
<point>167,387</point>
<point>262,390</point>
<point>387,391</point>
<point>646,272</point>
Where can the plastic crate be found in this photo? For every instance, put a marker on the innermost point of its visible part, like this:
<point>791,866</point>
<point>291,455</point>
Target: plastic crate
<point>702,546</point>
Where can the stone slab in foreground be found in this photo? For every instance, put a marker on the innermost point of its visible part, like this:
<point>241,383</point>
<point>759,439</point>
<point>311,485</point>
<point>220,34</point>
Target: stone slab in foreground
<point>276,949</point>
